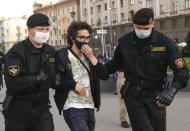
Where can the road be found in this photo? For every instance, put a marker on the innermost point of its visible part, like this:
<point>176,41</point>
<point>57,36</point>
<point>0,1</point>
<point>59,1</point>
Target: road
<point>178,117</point>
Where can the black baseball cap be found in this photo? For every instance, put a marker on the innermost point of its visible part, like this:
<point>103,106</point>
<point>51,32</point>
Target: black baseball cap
<point>144,16</point>
<point>38,19</point>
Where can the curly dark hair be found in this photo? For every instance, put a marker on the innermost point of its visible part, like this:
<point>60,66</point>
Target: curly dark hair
<point>74,27</point>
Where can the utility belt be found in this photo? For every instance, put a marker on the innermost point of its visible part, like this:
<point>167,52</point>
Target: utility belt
<point>10,100</point>
<point>135,89</point>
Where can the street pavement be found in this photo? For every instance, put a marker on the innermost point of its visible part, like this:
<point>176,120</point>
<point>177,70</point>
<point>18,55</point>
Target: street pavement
<point>107,119</point>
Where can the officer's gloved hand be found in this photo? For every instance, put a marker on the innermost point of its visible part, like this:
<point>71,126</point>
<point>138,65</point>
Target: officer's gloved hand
<point>167,95</point>
<point>39,79</point>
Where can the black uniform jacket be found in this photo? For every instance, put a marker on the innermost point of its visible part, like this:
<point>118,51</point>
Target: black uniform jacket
<point>145,62</point>
<point>64,72</point>
<point>22,62</point>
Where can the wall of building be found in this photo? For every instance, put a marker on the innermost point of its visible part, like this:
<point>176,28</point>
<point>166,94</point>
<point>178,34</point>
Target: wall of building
<point>61,15</point>
<point>12,31</point>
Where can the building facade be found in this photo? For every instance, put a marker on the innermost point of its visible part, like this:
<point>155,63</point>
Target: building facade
<point>61,14</point>
<point>12,30</point>
<point>115,17</point>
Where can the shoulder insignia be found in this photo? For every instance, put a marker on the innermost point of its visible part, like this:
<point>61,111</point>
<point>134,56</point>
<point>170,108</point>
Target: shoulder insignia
<point>158,49</point>
<point>179,63</point>
<point>52,60</point>
<point>13,70</point>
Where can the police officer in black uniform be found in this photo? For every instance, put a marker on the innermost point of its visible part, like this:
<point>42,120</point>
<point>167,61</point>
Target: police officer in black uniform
<point>29,73</point>
<point>145,54</point>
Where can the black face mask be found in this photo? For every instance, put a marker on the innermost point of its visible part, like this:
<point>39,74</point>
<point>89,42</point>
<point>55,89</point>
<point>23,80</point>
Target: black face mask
<point>79,44</point>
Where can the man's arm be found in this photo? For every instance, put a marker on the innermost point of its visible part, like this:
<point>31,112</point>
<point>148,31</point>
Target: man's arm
<point>16,78</point>
<point>116,62</point>
<point>180,72</point>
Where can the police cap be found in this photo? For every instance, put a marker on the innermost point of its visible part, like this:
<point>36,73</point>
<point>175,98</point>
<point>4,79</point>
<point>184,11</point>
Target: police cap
<point>38,19</point>
<point>143,16</point>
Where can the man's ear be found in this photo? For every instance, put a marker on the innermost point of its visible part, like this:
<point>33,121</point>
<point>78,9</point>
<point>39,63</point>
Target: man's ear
<point>153,24</point>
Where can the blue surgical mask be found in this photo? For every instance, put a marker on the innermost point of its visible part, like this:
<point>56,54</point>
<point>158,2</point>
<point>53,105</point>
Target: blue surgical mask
<point>143,34</point>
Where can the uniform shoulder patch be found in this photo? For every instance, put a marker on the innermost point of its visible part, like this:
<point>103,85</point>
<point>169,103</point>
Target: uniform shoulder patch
<point>13,70</point>
<point>159,49</point>
<point>179,63</point>
<point>52,60</point>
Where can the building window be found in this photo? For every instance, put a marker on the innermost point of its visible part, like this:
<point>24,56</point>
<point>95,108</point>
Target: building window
<point>121,3</point>
<point>92,22</point>
<point>187,21</point>
<point>174,7</point>
<point>132,2</point>
<point>63,11</point>
<point>85,11</point>
<point>113,4</point>
<point>91,10</point>
<point>140,1</point>
<point>105,6</point>
<point>162,9</point>
<point>106,19</point>
<point>114,18</point>
<point>174,23</point>
<point>99,8</point>
<point>162,25</point>
<point>187,4</point>
<point>122,16</point>
<point>58,13</point>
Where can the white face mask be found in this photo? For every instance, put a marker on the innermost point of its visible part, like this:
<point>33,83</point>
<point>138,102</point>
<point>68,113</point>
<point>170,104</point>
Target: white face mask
<point>40,37</point>
<point>142,34</point>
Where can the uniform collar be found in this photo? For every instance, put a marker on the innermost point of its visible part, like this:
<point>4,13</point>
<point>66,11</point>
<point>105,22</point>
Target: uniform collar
<point>32,49</point>
<point>151,40</point>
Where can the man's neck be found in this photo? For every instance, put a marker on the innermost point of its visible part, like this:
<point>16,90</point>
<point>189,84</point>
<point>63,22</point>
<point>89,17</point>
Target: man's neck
<point>36,45</point>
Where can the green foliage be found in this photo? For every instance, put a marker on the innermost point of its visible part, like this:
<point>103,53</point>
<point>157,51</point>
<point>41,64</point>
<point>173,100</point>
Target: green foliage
<point>187,60</point>
<point>186,50</point>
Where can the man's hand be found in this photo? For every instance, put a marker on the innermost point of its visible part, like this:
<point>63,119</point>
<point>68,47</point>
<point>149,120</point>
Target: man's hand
<point>166,96</point>
<point>80,89</point>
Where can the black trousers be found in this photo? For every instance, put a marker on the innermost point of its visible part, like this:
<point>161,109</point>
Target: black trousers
<point>144,114</point>
<point>24,116</point>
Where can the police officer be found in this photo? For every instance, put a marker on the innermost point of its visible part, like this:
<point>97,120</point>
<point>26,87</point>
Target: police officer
<point>145,54</point>
<point>29,73</point>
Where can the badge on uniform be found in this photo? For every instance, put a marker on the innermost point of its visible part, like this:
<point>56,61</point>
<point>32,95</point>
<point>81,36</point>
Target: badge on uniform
<point>52,60</point>
<point>179,63</point>
<point>158,49</point>
<point>14,70</point>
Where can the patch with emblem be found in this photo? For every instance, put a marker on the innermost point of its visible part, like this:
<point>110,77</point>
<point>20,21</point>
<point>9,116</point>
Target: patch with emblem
<point>14,70</point>
<point>179,63</point>
<point>158,49</point>
<point>52,60</point>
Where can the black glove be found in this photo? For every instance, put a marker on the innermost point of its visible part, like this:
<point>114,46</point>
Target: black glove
<point>40,79</point>
<point>167,95</point>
